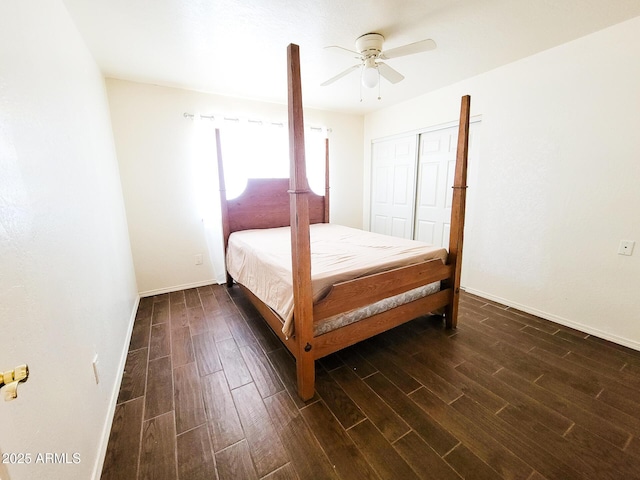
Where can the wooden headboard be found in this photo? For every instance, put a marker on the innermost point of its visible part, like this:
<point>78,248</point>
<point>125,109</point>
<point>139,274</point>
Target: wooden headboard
<point>265,202</point>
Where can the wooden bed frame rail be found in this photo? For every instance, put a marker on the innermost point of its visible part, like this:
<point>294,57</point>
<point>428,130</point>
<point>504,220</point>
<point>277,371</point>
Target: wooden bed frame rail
<point>364,291</point>
<point>268,203</point>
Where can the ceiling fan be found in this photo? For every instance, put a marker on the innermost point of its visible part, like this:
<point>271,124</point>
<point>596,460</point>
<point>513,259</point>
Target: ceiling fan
<point>369,53</point>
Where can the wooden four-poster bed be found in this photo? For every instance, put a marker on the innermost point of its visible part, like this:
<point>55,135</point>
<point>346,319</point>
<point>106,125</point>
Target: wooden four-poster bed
<point>287,207</point>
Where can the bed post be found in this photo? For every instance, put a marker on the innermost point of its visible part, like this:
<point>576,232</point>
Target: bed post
<point>300,243</point>
<point>224,212</point>
<point>457,212</point>
<point>326,180</point>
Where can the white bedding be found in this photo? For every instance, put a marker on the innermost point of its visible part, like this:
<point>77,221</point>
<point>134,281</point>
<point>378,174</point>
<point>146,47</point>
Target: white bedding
<point>261,261</point>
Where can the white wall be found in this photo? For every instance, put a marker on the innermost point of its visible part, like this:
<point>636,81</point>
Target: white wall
<point>158,169</point>
<point>556,188</point>
<point>67,285</point>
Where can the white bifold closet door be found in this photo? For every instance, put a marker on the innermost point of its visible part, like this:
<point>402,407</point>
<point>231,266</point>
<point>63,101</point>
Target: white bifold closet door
<point>393,183</point>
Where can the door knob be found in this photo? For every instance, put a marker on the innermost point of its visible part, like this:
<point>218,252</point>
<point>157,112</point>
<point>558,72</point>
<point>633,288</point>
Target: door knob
<point>11,379</point>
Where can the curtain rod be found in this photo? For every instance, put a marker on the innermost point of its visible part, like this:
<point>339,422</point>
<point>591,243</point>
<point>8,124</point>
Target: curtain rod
<point>192,116</point>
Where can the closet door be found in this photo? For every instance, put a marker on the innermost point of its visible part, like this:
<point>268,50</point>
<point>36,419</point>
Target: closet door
<point>393,176</point>
<point>436,170</point>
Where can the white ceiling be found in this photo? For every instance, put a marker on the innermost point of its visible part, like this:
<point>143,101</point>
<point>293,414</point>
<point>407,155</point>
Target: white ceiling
<point>238,48</point>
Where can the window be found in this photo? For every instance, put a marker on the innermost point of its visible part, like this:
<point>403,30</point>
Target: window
<point>249,149</point>
<point>257,150</point>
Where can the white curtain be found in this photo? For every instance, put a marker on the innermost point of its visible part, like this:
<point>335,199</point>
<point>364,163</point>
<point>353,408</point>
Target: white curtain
<point>250,149</point>
<point>314,143</point>
<point>208,191</point>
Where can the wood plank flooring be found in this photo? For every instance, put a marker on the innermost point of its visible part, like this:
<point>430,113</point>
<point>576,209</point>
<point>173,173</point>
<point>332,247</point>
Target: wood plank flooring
<point>209,393</point>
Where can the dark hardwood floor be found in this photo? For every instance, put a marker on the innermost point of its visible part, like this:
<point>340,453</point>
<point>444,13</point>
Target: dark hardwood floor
<point>209,392</point>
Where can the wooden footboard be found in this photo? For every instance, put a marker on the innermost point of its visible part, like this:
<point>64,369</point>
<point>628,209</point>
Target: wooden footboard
<point>348,335</point>
<point>345,336</point>
<point>363,291</point>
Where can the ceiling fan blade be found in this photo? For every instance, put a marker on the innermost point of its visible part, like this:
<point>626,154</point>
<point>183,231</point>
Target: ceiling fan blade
<point>340,75</point>
<point>343,51</point>
<point>389,73</point>
<point>410,49</point>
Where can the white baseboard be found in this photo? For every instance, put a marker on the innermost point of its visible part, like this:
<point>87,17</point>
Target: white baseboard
<point>106,430</point>
<point>557,319</point>
<point>160,291</point>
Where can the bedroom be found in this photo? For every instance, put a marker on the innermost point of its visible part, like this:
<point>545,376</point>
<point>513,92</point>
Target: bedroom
<point>58,264</point>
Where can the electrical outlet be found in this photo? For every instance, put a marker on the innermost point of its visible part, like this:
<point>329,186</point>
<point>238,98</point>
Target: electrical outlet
<point>626,247</point>
<point>199,259</point>
<point>95,369</point>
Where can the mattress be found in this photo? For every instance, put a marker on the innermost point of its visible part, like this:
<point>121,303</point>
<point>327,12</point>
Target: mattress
<point>261,261</point>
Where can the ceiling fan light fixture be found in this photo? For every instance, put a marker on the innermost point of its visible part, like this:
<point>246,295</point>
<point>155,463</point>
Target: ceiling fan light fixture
<point>369,51</point>
<point>370,76</point>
